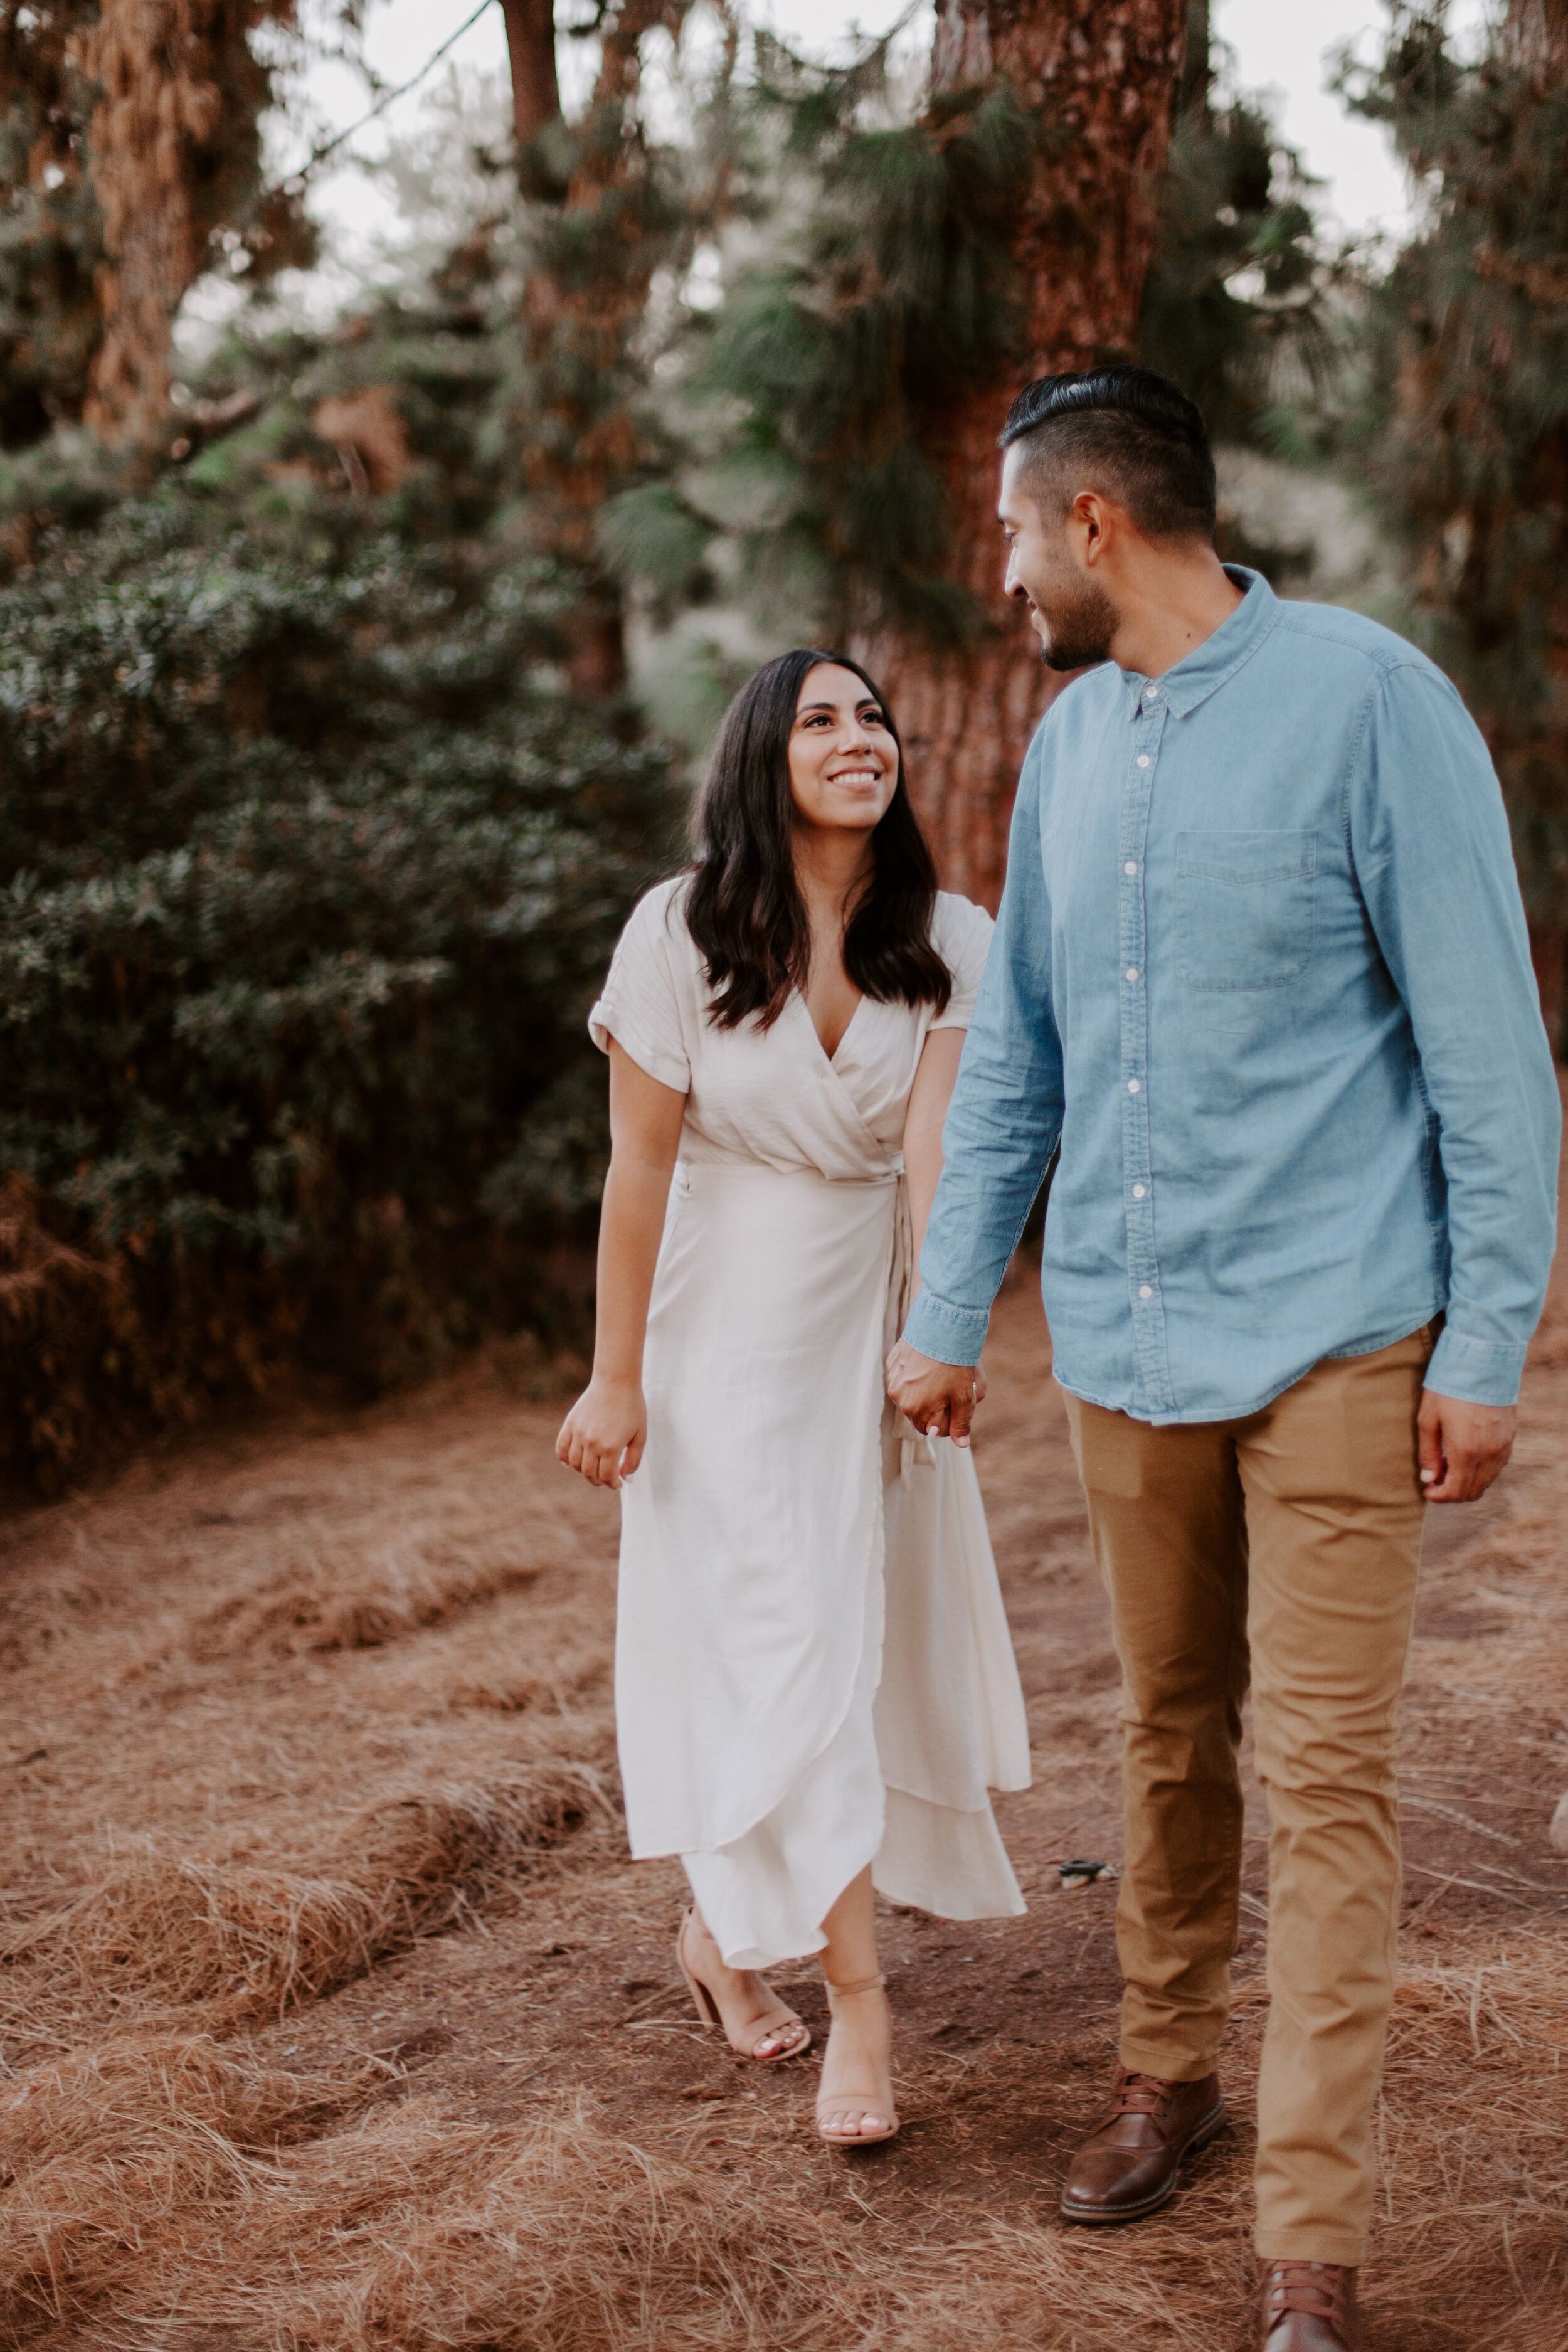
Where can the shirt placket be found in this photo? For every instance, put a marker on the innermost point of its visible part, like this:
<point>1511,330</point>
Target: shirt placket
<point>1155,1393</point>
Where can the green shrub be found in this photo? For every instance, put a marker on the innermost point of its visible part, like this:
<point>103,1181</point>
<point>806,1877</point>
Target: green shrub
<point>308,870</point>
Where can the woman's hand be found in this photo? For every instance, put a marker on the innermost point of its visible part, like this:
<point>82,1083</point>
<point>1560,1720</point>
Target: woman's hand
<point>605,1431</point>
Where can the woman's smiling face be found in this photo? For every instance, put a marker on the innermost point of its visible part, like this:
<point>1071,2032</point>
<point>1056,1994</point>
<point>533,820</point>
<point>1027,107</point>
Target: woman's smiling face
<point>843,763</point>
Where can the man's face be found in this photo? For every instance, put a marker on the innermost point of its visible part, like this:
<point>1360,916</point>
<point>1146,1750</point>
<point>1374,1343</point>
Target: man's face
<point>1069,611</point>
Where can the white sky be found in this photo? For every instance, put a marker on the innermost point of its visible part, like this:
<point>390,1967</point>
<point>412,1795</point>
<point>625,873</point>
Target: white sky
<point>1279,47</point>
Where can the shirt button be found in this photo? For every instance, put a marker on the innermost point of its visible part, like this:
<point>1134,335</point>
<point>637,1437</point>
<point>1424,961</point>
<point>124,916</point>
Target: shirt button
<point>1144,1291</point>
<point>1138,1190</point>
<point>1143,759</point>
<point>1131,972</point>
<point>1131,867</point>
<point>1131,1085</point>
<point>1153,695</point>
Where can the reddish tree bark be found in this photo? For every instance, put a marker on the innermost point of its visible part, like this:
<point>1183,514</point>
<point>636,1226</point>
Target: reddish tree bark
<point>1104,74</point>
<point>530,48</point>
<point>1535,37</point>
<point>578,318</point>
<point>174,153</point>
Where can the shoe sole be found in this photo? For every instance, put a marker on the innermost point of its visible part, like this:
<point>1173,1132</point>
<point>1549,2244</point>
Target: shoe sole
<point>1209,2129</point>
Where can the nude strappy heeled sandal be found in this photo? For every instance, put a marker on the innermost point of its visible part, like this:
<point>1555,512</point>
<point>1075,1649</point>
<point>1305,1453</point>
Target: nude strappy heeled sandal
<point>867,2102</point>
<point>707,2008</point>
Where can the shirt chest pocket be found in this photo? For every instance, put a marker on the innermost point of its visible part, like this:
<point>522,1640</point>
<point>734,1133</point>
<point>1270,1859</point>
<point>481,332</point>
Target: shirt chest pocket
<point>1246,904</point>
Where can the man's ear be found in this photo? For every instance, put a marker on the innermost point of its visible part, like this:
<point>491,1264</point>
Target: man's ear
<point>1088,522</point>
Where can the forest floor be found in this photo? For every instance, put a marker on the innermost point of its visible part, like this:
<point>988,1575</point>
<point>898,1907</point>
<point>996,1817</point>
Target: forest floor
<point>334,2016</point>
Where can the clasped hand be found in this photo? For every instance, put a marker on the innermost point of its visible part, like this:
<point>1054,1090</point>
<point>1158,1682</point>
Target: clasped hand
<point>939,1399</point>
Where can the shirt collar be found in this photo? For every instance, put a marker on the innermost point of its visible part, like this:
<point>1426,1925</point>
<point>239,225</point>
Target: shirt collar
<point>1219,657</point>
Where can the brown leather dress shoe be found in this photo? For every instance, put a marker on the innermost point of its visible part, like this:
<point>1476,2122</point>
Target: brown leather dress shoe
<point>1131,2160</point>
<point>1307,2307</point>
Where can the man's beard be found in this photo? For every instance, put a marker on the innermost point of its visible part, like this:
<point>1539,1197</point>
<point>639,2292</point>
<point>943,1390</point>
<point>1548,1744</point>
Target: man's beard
<point>1081,619</point>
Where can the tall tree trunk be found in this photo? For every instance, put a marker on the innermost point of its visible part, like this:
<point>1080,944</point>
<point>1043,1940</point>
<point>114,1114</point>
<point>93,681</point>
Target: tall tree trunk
<point>530,48</point>
<point>584,300</point>
<point>1104,74</point>
<point>1535,38</point>
<point>175,155</point>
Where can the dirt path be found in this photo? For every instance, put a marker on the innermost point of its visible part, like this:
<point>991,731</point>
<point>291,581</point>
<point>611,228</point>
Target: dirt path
<point>335,2015</point>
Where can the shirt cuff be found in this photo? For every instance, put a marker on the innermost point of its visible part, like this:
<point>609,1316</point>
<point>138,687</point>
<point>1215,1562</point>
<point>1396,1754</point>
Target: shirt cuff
<point>949,1335</point>
<point>1476,1371</point>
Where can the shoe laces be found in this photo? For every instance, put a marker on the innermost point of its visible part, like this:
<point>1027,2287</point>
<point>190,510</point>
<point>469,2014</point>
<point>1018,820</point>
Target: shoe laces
<point>1141,2095</point>
<point>1317,2290</point>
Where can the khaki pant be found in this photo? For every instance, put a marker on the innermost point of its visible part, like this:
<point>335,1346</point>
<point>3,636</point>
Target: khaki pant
<point>1285,1544</point>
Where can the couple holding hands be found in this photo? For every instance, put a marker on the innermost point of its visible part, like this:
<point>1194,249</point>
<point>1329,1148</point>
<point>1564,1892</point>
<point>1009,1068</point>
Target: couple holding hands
<point>1261,975</point>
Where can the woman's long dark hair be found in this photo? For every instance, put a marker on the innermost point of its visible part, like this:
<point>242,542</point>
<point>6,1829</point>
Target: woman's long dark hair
<point>745,907</point>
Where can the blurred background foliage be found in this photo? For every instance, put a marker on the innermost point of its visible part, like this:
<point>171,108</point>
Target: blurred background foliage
<point>353,671</point>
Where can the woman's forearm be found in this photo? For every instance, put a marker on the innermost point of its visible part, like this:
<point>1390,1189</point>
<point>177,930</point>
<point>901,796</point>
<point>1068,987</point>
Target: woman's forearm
<point>636,1193</point>
<point>929,1099</point>
<point>922,1167</point>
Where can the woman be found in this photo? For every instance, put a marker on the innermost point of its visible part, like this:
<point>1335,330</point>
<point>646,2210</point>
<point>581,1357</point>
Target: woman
<point>814,1682</point>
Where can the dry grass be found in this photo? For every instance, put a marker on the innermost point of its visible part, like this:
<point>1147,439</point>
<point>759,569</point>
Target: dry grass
<point>250,1943</point>
<point>278,1720</point>
<point>424,1580</point>
<point>175,2177</point>
<point>130,2151</point>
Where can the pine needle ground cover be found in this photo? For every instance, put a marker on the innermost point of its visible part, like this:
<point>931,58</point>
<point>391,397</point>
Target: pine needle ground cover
<point>335,2020</point>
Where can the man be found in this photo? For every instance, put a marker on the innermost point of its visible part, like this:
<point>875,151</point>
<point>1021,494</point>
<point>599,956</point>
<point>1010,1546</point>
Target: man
<point>1261,970</point>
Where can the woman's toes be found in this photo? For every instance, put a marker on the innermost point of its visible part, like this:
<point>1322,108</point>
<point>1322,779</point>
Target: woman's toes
<point>854,2123</point>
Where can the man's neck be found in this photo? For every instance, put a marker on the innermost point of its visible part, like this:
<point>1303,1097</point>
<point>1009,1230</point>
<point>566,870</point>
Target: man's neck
<point>1168,600</point>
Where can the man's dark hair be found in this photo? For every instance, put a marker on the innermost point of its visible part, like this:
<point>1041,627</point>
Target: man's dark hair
<point>1124,430</point>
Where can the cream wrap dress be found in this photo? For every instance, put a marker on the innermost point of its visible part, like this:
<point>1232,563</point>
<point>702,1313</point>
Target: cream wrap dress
<point>812,1668</point>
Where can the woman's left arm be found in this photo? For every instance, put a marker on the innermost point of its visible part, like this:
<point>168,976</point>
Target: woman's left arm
<point>929,1099</point>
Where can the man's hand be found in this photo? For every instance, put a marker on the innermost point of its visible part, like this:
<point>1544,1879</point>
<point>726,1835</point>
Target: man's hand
<point>939,1399</point>
<point>1462,1446</point>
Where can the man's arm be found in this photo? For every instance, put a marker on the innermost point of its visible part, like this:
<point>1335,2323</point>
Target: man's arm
<point>1002,1128</point>
<point>1436,866</point>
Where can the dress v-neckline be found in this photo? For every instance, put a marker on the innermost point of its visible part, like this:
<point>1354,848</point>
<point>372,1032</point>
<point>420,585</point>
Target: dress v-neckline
<point>831,1059</point>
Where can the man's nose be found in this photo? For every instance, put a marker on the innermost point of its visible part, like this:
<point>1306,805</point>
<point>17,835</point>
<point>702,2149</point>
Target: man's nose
<point>1011,584</point>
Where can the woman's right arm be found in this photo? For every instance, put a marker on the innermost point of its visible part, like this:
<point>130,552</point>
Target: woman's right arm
<point>605,1431</point>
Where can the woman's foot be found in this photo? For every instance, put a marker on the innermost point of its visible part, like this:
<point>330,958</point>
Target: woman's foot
<point>754,2020</point>
<point>855,2105</point>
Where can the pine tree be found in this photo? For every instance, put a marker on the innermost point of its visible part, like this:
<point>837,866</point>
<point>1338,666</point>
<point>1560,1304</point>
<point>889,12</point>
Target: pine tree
<point>1099,77</point>
<point>1006,233</point>
<point>606,210</point>
<point>130,164</point>
<point>1471,351</point>
<point>1234,302</point>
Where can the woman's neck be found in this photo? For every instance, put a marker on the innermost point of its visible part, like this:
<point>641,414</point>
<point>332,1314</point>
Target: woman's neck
<point>829,865</point>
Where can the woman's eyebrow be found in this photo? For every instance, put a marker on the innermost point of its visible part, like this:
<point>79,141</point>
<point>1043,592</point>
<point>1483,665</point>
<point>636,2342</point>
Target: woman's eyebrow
<point>805,709</point>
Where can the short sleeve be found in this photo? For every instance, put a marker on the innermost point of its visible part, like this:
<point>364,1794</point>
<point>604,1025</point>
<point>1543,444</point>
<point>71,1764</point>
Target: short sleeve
<point>640,1004</point>
<point>963,939</point>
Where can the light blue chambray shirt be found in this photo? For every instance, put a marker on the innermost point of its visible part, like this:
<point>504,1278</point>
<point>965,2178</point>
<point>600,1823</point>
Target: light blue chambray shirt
<point>1262,969</point>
